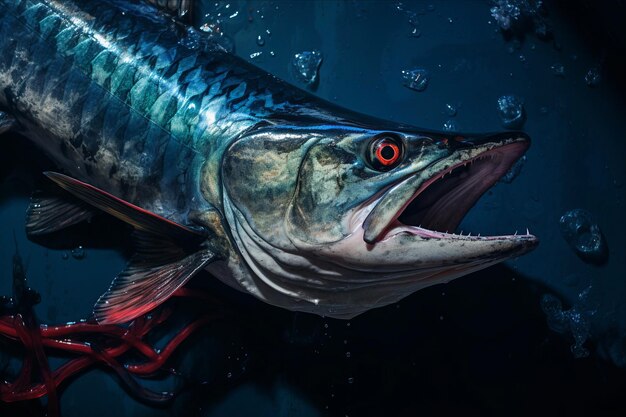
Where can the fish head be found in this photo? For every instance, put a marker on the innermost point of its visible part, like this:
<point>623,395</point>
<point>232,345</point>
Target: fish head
<point>337,220</point>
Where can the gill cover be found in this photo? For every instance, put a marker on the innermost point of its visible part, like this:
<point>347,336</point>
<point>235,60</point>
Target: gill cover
<point>307,180</point>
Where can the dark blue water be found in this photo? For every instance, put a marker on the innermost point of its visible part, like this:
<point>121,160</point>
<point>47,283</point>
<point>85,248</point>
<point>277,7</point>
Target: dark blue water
<point>482,345</point>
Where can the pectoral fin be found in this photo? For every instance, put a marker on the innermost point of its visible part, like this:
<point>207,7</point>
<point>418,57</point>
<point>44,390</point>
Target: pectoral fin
<point>167,255</point>
<point>153,274</point>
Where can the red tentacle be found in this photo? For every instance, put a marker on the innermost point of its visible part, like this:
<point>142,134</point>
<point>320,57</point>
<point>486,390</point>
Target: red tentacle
<point>36,347</point>
<point>27,366</point>
<point>152,367</point>
<point>73,338</point>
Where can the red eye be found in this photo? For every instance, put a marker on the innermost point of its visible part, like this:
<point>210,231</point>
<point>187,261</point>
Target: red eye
<point>385,153</point>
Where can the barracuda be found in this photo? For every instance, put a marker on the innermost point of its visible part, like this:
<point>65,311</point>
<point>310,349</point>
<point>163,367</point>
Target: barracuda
<point>218,165</point>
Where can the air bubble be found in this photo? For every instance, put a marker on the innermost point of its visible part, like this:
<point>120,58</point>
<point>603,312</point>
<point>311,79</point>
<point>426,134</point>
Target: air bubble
<point>558,70</point>
<point>511,111</point>
<point>451,109</point>
<point>593,77</point>
<point>583,235</point>
<point>78,253</point>
<point>416,79</point>
<point>450,126</point>
<point>306,65</point>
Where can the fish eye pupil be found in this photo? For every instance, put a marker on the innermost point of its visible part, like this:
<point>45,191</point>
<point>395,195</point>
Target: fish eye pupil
<point>387,152</point>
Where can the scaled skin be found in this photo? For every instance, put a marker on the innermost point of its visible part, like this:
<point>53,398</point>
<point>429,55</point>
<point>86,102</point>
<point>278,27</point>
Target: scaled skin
<point>121,97</point>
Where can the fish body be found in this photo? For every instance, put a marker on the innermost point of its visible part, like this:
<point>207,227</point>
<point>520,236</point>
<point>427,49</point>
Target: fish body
<point>220,165</point>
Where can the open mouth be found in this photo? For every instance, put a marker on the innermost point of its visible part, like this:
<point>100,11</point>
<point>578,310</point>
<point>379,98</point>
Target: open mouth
<point>433,208</point>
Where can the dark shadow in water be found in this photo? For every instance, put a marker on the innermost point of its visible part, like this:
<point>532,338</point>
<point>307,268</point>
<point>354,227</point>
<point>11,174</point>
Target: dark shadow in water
<point>21,168</point>
<point>482,348</point>
<point>479,346</point>
<point>600,28</point>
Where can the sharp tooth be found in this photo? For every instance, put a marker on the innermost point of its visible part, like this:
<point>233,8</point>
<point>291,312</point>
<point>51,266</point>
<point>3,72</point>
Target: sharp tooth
<point>515,234</point>
<point>527,231</point>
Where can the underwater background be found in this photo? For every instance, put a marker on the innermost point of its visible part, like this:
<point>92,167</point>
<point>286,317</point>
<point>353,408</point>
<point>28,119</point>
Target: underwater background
<point>540,335</point>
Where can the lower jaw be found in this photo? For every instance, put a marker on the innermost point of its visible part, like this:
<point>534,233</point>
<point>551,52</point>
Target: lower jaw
<point>398,228</point>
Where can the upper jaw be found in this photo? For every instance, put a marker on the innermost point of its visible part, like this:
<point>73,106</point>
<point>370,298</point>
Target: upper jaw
<point>487,162</point>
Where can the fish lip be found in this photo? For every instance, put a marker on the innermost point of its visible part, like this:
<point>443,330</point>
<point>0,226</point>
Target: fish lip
<point>379,225</point>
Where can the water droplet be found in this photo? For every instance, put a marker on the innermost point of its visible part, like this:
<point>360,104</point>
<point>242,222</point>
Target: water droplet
<point>450,126</point>
<point>558,70</point>
<point>450,109</point>
<point>593,77</point>
<point>229,375</point>
<point>416,79</point>
<point>574,320</point>
<point>191,39</point>
<point>78,253</point>
<point>583,235</point>
<point>65,256</point>
<point>350,380</point>
<point>306,65</point>
<point>511,111</point>
<point>348,354</point>
<point>260,41</point>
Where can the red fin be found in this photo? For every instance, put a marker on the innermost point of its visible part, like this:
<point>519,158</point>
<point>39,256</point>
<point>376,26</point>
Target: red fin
<point>151,277</point>
<point>137,217</point>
